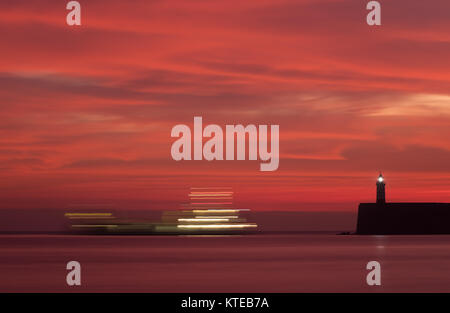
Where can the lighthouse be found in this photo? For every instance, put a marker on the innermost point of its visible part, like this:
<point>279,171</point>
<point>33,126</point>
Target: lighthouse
<point>402,218</point>
<point>381,193</point>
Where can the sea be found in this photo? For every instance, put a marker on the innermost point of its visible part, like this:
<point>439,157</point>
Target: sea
<point>285,262</point>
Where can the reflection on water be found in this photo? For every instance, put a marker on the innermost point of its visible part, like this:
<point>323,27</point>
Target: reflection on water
<point>249,263</point>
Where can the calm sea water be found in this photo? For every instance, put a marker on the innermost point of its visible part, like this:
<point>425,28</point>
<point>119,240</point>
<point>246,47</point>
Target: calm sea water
<point>254,263</point>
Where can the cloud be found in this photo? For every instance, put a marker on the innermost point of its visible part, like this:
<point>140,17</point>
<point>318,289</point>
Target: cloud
<point>87,112</point>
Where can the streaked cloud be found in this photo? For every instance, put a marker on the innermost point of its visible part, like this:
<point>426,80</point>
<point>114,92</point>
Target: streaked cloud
<point>86,113</point>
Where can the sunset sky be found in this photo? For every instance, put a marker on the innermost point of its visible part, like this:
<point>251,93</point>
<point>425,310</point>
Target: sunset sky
<point>86,112</point>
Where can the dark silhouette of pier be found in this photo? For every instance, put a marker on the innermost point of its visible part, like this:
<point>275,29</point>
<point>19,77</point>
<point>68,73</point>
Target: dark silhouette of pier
<point>409,218</point>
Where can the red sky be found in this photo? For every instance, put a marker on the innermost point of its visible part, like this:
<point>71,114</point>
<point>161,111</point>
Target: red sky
<point>86,112</point>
